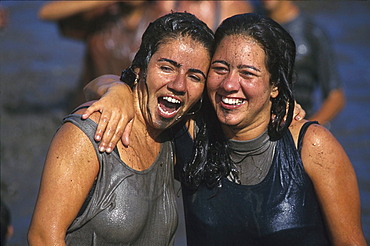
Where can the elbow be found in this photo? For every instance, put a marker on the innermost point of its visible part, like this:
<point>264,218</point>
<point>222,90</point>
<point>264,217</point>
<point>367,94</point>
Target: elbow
<point>39,238</point>
<point>35,238</point>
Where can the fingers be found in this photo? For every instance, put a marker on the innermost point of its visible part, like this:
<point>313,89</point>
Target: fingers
<point>107,131</point>
<point>118,128</point>
<point>90,110</point>
<point>126,134</point>
<point>103,121</point>
<point>115,120</point>
<point>299,112</point>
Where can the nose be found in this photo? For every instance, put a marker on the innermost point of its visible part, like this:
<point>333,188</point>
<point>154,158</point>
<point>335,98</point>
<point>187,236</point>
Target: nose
<point>178,84</point>
<point>230,83</point>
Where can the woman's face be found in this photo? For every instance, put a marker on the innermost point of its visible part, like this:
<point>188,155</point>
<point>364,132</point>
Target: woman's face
<point>238,84</point>
<point>175,81</point>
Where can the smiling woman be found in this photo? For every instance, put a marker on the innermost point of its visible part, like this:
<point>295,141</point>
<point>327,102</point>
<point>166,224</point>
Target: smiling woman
<point>127,197</point>
<point>239,85</point>
<point>263,183</point>
<point>249,177</point>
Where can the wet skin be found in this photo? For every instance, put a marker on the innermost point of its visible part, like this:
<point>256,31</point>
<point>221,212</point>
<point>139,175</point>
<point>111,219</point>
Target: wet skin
<point>175,81</point>
<point>239,87</point>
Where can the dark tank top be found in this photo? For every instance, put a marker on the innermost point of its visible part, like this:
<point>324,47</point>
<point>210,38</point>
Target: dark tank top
<point>280,210</point>
<point>126,206</point>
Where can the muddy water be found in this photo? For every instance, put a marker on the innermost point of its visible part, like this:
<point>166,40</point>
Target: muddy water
<point>39,68</point>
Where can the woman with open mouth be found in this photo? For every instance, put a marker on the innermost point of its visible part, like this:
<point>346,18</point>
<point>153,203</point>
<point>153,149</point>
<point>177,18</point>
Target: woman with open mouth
<point>248,176</point>
<point>88,197</point>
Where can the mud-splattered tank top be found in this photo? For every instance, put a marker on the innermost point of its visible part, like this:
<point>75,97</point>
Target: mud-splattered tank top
<point>126,206</point>
<point>281,210</point>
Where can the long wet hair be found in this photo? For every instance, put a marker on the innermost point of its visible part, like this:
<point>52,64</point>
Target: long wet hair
<point>211,161</point>
<point>162,30</point>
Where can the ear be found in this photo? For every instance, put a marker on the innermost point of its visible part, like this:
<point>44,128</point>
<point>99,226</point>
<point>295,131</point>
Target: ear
<point>274,92</point>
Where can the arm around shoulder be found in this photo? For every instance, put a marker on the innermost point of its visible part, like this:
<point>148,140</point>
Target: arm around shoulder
<point>96,88</point>
<point>335,183</point>
<point>116,105</point>
<point>70,169</point>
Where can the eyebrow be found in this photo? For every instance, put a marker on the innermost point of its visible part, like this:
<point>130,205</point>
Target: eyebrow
<point>176,64</point>
<point>239,66</point>
<point>222,62</point>
<point>246,66</point>
<point>170,61</point>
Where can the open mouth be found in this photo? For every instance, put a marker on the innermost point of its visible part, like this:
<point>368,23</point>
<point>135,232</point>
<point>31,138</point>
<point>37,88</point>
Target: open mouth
<point>168,106</point>
<point>232,101</point>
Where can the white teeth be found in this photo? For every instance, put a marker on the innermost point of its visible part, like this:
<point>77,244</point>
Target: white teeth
<point>231,101</point>
<point>171,100</point>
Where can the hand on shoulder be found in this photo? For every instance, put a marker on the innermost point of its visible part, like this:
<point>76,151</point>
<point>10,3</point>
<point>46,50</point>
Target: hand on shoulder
<point>82,109</point>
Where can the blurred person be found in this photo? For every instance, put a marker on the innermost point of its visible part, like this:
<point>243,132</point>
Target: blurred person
<point>315,62</point>
<point>111,31</point>
<point>251,180</point>
<point>126,197</point>
<point>6,224</point>
<point>213,12</point>
<point>4,17</point>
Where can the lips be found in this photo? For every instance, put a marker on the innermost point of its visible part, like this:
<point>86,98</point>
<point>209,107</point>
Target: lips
<point>168,106</point>
<point>231,103</point>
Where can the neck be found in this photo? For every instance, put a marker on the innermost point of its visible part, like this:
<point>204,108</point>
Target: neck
<point>140,126</point>
<point>245,133</point>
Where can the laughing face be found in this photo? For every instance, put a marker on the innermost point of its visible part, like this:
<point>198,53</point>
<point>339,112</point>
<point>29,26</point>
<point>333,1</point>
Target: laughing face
<point>175,80</point>
<point>239,84</point>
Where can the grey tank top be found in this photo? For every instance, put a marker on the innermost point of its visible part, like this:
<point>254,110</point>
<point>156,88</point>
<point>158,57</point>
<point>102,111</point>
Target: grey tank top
<point>126,206</point>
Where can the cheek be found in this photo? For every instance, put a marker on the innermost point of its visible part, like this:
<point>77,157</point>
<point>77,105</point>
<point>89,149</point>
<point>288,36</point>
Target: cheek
<point>195,92</point>
<point>256,89</point>
<point>260,96</point>
<point>213,82</point>
<point>156,80</point>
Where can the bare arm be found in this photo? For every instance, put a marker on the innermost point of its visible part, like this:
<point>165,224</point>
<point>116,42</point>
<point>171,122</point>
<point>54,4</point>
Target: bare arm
<point>335,184</point>
<point>99,86</point>
<point>116,107</point>
<point>57,10</point>
<point>69,172</point>
<point>117,114</point>
<point>333,104</point>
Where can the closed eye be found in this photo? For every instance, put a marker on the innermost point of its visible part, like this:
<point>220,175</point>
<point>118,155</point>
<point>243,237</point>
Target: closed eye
<point>166,68</point>
<point>219,69</point>
<point>247,73</point>
<point>195,78</point>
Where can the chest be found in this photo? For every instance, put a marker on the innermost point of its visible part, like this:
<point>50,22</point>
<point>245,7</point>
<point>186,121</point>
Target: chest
<point>137,212</point>
<point>139,155</point>
<point>282,207</point>
<point>129,207</point>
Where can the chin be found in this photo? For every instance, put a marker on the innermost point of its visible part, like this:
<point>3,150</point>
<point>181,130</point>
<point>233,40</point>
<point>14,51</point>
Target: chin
<point>163,124</point>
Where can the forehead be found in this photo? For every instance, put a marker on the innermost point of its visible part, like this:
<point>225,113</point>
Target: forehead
<point>241,49</point>
<point>183,49</point>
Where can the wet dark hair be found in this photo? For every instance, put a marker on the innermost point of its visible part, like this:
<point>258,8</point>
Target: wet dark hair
<point>279,49</point>
<point>168,27</point>
<point>280,54</point>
